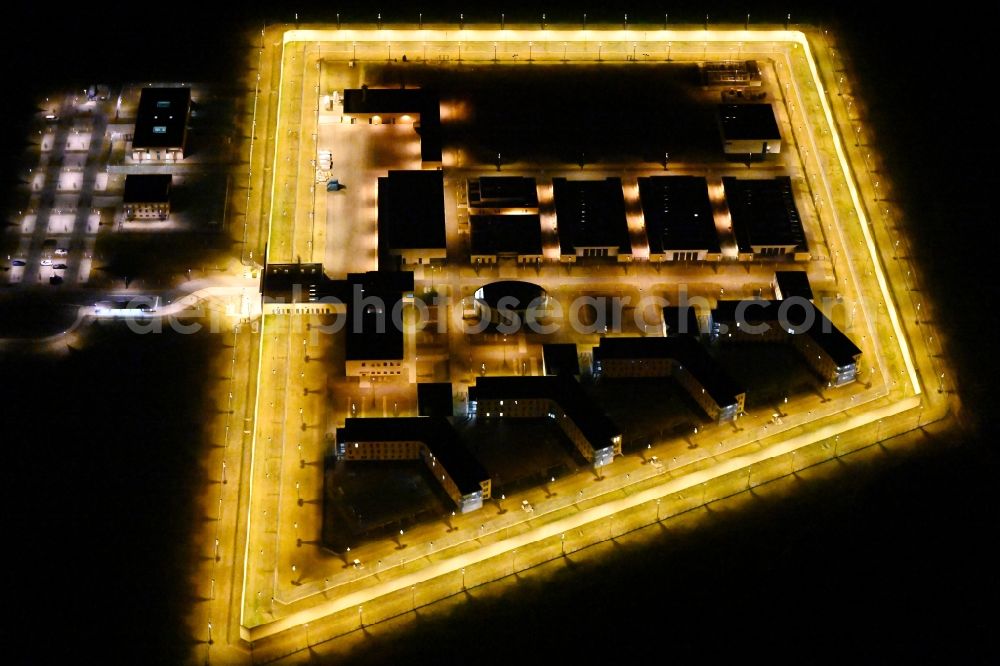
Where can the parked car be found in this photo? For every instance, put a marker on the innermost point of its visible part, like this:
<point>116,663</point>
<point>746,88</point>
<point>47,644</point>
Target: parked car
<point>46,262</point>
<point>18,262</point>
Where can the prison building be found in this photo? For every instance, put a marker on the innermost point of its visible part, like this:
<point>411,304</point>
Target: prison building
<point>411,227</point>
<point>824,347</point>
<point>682,358</point>
<point>147,196</point>
<point>561,398</point>
<point>507,236</point>
<point>416,106</point>
<point>590,219</point>
<point>749,129</point>
<point>161,124</point>
<point>374,326</point>
<point>792,284</point>
<point>678,218</point>
<point>765,220</point>
<point>430,439</point>
<point>731,73</point>
<point>301,289</point>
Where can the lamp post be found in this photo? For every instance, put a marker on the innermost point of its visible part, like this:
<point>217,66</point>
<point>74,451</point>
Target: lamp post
<point>501,20</point>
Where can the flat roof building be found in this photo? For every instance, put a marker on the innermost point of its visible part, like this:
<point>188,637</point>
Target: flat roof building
<point>749,129</point>
<point>827,350</point>
<point>374,329</point>
<point>400,105</point>
<point>493,237</point>
<point>147,196</point>
<point>502,194</point>
<point>678,217</point>
<point>411,226</point>
<point>161,124</point>
<point>682,358</point>
<point>766,222</point>
<point>301,288</point>
<point>430,439</point>
<point>593,433</point>
<point>590,216</point>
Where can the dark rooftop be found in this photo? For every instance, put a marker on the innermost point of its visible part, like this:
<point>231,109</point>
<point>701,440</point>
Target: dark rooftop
<point>748,122</point>
<point>595,425</point>
<point>402,100</point>
<point>503,192</point>
<point>678,214</point>
<point>764,213</point>
<point>147,188</point>
<point>519,293</point>
<point>411,210</point>
<point>679,320</point>
<point>301,283</point>
<point>505,234</point>
<point>436,433</point>
<point>793,283</point>
<point>161,120</point>
<point>822,331</point>
<point>384,100</point>
<point>374,321</point>
<point>591,213</point>
<point>560,359</point>
<point>686,351</point>
<point>435,399</point>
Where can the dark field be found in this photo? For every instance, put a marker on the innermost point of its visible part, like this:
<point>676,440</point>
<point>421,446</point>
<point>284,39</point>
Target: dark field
<point>569,114</point>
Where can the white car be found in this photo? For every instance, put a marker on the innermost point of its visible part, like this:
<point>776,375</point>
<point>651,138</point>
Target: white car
<point>526,505</point>
<point>46,262</point>
<point>61,252</point>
